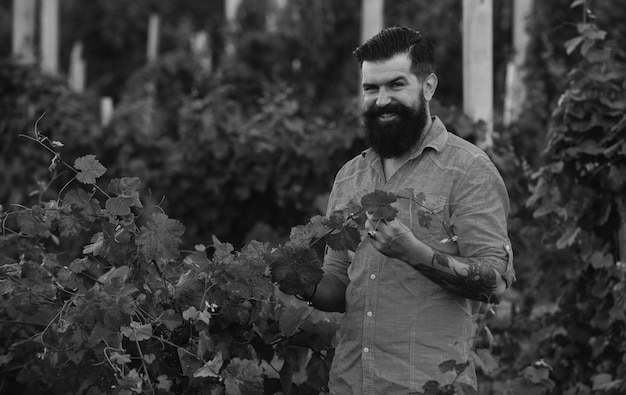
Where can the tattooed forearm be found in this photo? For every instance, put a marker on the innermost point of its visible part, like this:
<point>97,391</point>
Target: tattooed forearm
<point>477,282</point>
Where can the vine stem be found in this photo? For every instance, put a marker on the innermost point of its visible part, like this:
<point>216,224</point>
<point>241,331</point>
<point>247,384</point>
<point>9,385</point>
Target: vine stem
<point>348,218</point>
<point>39,141</point>
<point>143,361</point>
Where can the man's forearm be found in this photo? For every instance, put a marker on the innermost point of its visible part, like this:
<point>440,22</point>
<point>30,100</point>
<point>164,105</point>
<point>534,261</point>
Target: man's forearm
<point>473,279</point>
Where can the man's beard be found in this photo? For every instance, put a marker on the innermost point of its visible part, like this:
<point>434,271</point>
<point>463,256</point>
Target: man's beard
<point>396,137</point>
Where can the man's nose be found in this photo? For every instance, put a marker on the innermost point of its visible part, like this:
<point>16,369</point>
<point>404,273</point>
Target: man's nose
<point>383,98</point>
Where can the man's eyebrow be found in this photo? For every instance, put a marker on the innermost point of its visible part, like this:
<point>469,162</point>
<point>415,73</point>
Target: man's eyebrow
<point>397,79</point>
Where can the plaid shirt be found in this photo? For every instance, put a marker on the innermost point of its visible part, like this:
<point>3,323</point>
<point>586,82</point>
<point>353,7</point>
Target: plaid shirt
<point>399,325</point>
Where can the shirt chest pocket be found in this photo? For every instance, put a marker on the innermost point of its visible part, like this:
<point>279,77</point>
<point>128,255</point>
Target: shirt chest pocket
<point>429,218</point>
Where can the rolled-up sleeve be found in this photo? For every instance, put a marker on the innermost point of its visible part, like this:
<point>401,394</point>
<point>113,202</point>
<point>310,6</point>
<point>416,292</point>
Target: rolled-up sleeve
<point>479,210</point>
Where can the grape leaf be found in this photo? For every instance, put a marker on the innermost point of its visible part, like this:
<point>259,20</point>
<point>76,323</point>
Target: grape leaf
<point>78,212</point>
<point>424,218</point>
<point>116,247</point>
<point>125,186</point>
<point>89,169</point>
<point>101,334</point>
<point>121,205</point>
<point>83,203</point>
<point>137,331</point>
<point>304,235</point>
<point>211,368</point>
<point>295,269</point>
<point>353,212</point>
<point>484,360</point>
<point>317,371</point>
<point>347,238</point>
<point>32,222</point>
<point>171,319</point>
<point>243,376</point>
<point>71,224</point>
<point>452,365</point>
<point>160,237</point>
<point>164,383</point>
<point>378,203</point>
<point>126,189</point>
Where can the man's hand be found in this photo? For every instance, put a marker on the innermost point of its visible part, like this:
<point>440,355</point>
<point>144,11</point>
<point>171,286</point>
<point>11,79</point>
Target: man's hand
<point>391,238</point>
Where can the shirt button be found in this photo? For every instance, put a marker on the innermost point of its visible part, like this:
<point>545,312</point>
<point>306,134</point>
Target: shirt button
<point>366,349</point>
<point>373,276</point>
<point>369,313</point>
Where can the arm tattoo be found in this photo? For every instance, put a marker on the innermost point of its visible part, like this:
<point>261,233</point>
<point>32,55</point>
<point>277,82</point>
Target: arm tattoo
<point>477,283</point>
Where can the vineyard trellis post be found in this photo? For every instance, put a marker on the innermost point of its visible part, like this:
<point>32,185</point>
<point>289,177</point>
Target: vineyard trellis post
<point>23,30</point>
<point>478,65</point>
<point>49,36</point>
<point>515,92</point>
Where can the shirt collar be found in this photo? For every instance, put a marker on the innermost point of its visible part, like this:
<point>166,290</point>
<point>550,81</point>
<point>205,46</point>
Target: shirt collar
<point>436,138</point>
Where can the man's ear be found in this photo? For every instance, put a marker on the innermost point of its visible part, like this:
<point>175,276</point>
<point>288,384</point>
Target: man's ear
<point>430,86</point>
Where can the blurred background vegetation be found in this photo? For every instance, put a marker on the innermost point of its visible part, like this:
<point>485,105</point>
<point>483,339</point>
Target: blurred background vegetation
<point>245,145</point>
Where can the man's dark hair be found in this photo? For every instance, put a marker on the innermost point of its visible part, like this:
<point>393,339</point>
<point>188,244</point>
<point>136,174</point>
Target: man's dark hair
<point>397,40</point>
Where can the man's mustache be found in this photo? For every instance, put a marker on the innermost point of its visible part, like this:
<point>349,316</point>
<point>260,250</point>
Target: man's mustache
<point>392,108</point>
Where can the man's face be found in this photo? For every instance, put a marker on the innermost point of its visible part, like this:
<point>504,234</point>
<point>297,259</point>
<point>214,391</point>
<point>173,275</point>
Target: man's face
<point>395,113</point>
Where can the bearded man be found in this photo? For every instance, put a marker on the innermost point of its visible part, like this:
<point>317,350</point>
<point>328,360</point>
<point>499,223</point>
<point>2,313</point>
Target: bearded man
<point>410,291</point>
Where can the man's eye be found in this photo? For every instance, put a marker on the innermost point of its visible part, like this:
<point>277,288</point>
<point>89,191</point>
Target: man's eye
<point>397,85</point>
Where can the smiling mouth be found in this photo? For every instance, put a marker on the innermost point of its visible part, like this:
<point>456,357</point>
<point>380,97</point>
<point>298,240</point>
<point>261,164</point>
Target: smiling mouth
<point>387,116</point>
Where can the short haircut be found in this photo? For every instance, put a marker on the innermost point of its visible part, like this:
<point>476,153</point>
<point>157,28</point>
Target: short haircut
<point>398,40</point>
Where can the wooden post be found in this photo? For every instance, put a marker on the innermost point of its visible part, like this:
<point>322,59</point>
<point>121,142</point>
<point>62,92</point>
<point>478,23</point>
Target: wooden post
<point>77,68</point>
<point>153,38</point>
<point>515,92</point>
<point>49,36</point>
<point>231,8</point>
<point>23,41</point>
<point>106,110</point>
<point>371,18</point>
<point>478,65</point>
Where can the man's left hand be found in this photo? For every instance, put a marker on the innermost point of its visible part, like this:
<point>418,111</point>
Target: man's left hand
<point>391,238</point>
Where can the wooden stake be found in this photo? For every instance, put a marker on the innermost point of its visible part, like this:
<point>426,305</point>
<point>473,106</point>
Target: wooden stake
<point>77,68</point>
<point>23,41</point>
<point>49,36</point>
<point>371,18</point>
<point>478,65</point>
<point>515,90</point>
<point>153,38</point>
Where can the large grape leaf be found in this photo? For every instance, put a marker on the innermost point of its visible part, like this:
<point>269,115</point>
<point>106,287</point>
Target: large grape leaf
<point>160,237</point>
<point>83,204</point>
<point>346,238</point>
<point>125,186</point>
<point>243,376</point>
<point>295,268</point>
<point>378,204</point>
<point>127,196</point>
<point>32,222</point>
<point>89,169</point>
<point>305,235</point>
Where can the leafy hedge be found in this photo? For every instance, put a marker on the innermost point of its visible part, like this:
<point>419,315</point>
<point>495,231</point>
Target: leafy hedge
<point>159,320</point>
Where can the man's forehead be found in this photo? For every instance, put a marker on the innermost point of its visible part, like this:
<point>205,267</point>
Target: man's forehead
<point>394,67</point>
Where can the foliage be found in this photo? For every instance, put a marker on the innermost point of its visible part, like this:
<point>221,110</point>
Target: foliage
<point>568,234</point>
<point>26,95</point>
<point>150,317</point>
<point>581,188</point>
<point>252,151</point>
<point>134,313</point>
